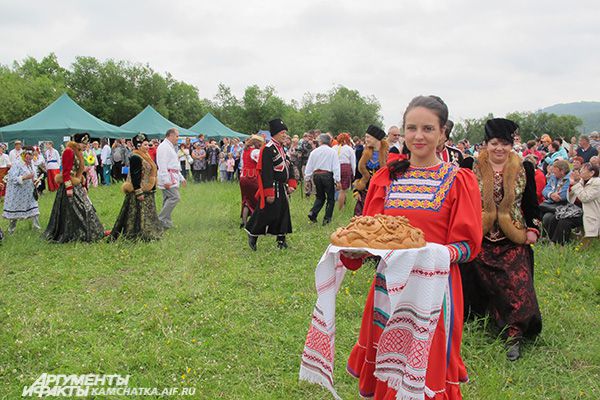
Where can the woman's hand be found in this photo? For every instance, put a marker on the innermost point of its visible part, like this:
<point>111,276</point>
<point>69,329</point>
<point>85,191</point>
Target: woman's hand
<point>574,177</point>
<point>354,254</point>
<point>531,237</point>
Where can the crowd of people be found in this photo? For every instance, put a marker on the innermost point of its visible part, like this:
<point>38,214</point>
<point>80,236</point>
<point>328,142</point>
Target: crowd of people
<point>486,203</point>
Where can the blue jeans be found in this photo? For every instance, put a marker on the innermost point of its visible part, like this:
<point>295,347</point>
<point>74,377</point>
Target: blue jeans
<point>106,173</point>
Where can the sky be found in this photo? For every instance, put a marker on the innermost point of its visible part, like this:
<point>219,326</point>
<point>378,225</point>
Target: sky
<point>479,57</point>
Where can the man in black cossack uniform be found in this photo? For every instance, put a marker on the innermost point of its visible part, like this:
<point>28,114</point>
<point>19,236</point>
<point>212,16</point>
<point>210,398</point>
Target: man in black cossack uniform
<point>275,183</point>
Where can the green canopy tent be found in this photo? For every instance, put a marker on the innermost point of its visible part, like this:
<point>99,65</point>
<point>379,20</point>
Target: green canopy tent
<point>212,128</point>
<point>60,119</point>
<point>152,123</point>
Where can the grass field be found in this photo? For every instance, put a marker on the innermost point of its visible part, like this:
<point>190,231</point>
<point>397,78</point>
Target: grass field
<point>198,309</point>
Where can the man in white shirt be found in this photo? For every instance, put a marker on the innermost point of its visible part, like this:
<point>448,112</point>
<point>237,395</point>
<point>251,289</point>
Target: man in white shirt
<point>52,158</point>
<point>105,157</point>
<point>169,176</point>
<point>15,154</point>
<point>324,167</point>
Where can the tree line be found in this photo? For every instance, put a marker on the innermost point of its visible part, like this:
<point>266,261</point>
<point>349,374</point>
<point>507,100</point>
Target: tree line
<point>116,91</point>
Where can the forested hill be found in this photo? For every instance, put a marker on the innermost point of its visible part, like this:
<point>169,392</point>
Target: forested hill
<point>588,111</point>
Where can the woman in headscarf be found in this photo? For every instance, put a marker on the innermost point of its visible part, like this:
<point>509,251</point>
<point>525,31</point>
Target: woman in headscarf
<point>21,202</point>
<point>138,218</point>
<point>500,279</point>
<point>73,216</point>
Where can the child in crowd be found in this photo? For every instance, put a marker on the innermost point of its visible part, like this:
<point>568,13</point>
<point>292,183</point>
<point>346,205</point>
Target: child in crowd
<point>230,166</point>
<point>222,167</point>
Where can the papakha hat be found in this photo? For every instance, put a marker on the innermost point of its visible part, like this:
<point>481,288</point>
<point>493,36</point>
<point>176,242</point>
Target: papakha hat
<point>276,126</point>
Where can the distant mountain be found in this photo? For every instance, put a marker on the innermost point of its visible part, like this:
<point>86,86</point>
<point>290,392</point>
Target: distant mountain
<point>588,111</point>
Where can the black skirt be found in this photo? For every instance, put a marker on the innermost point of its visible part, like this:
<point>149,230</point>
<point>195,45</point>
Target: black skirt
<point>275,218</point>
<point>138,220</point>
<point>500,282</point>
<point>73,218</point>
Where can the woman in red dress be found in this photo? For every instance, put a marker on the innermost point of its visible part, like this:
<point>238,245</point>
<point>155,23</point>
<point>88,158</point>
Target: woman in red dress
<point>444,202</point>
<point>249,176</point>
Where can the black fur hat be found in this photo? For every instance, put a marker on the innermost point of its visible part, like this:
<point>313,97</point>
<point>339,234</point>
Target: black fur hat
<point>501,128</point>
<point>376,132</point>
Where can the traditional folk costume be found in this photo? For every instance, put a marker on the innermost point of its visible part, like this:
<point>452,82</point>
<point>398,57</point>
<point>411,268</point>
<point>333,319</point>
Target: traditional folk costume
<point>444,202</point>
<point>52,167</point>
<point>20,202</point>
<point>451,154</point>
<point>15,154</point>
<point>500,279</point>
<point>368,162</point>
<point>73,216</point>
<point>4,167</point>
<point>169,174</point>
<point>90,162</point>
<point>40,166</point>
<point>138,218</point>
<point>274,177</point>
<point>249,176</point>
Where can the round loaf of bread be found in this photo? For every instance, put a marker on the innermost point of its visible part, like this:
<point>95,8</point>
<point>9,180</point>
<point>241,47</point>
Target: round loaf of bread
<point>384,232</point>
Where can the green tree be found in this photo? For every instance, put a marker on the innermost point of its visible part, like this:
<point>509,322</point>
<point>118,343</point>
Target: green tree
<point>260,106</point>
<point>533,125</point>
<point>345,110</point>
<point>184,105</point>
<point>226,107</point>
<point>29,87</point>
<point>471,129</point>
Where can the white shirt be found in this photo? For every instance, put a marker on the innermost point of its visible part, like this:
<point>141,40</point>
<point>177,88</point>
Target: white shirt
<point>105,155</point>
<point>4,161</point>
<point>324,158</point>
<point>40,160</point>
<point>347,155</point>
<point>169,168</point>
<point>14,155</point>
<point>52,159</point>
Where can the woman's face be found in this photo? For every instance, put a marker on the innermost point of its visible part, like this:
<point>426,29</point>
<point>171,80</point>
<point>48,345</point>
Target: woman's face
<point>585,174</point>
<point>370,141</point>
<point>498,150</point>
<point>422,133</point>
<point>144,146</point>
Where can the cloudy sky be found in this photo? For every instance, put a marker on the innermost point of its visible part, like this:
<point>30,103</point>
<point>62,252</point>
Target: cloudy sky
<point>479,57</point>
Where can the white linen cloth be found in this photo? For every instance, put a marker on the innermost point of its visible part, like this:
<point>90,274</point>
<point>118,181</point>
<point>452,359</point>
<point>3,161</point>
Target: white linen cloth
<point>416,281</point>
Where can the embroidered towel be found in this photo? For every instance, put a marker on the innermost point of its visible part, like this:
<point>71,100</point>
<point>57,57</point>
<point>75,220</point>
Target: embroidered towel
<point>416,281</point>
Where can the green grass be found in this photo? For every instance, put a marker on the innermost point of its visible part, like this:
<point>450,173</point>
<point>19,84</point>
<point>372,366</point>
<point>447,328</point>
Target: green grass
<point>197,309</point>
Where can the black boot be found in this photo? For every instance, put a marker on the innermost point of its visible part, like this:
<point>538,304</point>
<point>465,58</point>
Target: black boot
<point>513,350</point>
<point>281,243</point>
<point>252,241</point>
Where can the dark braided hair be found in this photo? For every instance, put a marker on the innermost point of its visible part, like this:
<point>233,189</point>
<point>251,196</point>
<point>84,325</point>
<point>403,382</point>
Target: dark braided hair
<point>432,103</point>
